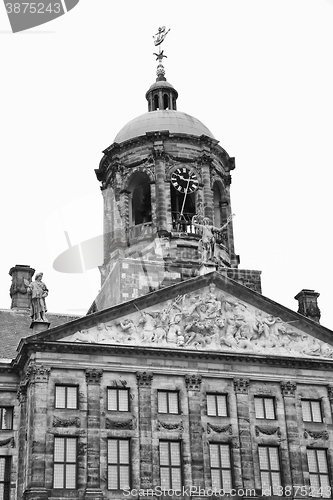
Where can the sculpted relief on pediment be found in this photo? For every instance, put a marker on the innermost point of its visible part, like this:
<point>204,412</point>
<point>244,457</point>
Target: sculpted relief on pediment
<point>208,320</point>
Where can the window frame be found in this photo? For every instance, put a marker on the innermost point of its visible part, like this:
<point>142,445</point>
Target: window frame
<point>170,466</point>
<point>2,418</point>
<point>7,473</point>
<point>216,395</point>
<point>307,400</point>
<point>66,386</point>
<point>263,399</point>
<point>270,470</point>
<point>118,389</point>
<point>318,473</point>
<point>168,392</point>
<point>65,463</point>
<point>118,464</point>
<point>221,468</point>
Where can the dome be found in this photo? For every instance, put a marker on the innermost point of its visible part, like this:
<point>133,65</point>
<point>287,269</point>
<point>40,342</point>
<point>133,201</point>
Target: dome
<point>175,122</point>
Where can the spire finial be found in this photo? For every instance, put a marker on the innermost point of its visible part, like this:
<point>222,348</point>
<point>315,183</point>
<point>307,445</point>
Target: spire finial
<point>158,39</point>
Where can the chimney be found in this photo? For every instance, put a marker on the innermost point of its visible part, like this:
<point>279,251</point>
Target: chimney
<point>308,305</point>
<point>18,289</point>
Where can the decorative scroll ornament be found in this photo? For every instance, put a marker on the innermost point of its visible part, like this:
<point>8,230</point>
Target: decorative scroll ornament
<point>177,426</point>
<point>268,431</point>
<point>10,441</point>
<point>316,435</point>
<point>241,385</point>
<point>120,424</point>
<point>144,379</point>
<point>219,428</point>
<point>94,376</point>
<point>288,388</point>
<point>193,382</point>
<point>63,422</point>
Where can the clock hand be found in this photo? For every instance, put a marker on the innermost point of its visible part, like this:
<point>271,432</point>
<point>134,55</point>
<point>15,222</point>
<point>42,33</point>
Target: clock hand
<point>185,194</point>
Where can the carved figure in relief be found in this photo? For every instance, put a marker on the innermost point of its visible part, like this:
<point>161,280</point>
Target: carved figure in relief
<point>130,330</point>
<point>174,330</point>
<point>39,292</point>
<point>213,306</point>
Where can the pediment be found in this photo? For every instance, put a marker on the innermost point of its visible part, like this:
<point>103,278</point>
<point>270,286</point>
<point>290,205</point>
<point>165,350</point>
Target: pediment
<point>209,318</point>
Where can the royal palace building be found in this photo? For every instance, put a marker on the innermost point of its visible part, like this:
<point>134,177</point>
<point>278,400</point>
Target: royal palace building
<point>183,380</point>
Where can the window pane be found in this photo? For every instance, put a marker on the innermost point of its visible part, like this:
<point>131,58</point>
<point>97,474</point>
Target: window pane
<point>274,459</point>
<point>326,487</point>
<point>123,451</point>
<point>263,458</point>
<point>164,453</point>
<point>265,480</point>
<point>162,402</point>
<point>112,451</point>
<point>225,455</point>
<point>214,455</point>
<point>322,461</point>
<point>7,418</point>
<point>226,480</point>
<point>72,397</point>
<point>124,477</point>
<point>59,449</point>
<point>71,450</point>
<point>176,479</point>
<point>269,408</point>
<point>70,476</point>
<point>216,479</point>
<point>60,397</point>
<point>58,476</point>
<point>165,480</point>
<point>312,460</point>
<point>175,454</point>
<point>112,477</point>
<point>222,406</point>
<point>123,400</point>
<point>306,410</point>
<point>211,408</point>
<point>2,468</point>
<point>276,480</point>
<point>259,407</point>
<point>173,402</point>
<point>316,413</point>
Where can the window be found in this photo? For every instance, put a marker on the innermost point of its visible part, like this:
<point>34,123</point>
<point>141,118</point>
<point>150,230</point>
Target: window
<point>6,418</point>
<point>118,399</point>
<point>65,466</point>
<point>168,401</point>
<point>217,405</point>
<point>318,469</point>
<point>264,408</point>
<point>269,464</point>
<point>5,478</point>
<point>311,411</point>
<point>220,466</point>
<point>170,465</point>
<point>66,396</point>
<point>118,464</point>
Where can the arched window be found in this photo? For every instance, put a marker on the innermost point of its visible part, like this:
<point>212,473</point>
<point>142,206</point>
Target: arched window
<point>182,210</point>
<point>165,101</point>
<point>140,199</point>
<point>155,102</point>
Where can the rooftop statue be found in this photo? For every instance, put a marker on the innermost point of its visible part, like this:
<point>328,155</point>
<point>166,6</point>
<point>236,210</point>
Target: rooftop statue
<point>207,242</point>
<point>39,292</point>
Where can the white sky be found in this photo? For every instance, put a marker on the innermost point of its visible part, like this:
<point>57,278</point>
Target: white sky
<point>257,73</point>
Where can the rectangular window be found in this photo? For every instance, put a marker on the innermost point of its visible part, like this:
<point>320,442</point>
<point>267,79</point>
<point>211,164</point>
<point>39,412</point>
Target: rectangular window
<point>168,401</point>
<point>66,396</point>
<point>118,464</point>
<point>170,465</point>
<point>220,466</point>
<point>319,478</point>
<point>264,408</point>
<point>65,462</point>
<point>4,478</point>
<point>118,399</point>
<point>217,405</point>
<point>6,418</point>
<point>269,464</point>
<point>311,411</point>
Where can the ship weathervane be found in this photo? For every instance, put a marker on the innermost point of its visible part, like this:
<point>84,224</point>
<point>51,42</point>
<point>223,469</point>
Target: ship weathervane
<point>160,35</point>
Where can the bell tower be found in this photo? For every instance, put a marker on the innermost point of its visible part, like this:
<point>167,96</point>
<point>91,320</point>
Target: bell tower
<point>166,182</point>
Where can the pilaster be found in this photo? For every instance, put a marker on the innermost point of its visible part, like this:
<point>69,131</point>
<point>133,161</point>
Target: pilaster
<point>241,386</point>
<point>193,386</point>
<point>93,380</point>
<point>205,162</point>
<point>144,380</point>
<point>161,201</point>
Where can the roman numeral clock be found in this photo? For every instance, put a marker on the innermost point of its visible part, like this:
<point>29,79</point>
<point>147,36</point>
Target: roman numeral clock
<point>185,180</point>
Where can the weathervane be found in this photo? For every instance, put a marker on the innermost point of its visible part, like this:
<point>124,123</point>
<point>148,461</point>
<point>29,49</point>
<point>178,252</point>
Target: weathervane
<point>158,39</point>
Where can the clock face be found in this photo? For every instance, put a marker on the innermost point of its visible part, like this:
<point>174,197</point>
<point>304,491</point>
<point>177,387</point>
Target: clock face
<point>184,180</point>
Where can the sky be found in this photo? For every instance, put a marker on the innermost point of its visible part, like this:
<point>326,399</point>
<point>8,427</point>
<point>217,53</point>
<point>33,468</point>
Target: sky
<point>257,73</point>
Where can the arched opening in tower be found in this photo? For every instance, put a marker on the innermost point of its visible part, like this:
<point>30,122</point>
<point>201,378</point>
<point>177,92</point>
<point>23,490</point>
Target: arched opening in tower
<point>217,195</point>
<point>165,101</point>
<point>156,102</point>
<point>183,208</point>
<point>140,199</point>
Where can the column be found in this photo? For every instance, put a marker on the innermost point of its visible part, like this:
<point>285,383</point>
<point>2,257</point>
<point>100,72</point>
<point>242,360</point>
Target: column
<point>161,201</point>
<point>193,384</point>
<point>205,162</point>
<point>241,386</point>
<point>144,380</point>
<point>288,390</point>
<point>38,377</point>
<point>93,379</point>
<point>22,452</point>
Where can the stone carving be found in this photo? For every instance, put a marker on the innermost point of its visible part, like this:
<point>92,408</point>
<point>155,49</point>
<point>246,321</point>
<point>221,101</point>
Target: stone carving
<point>316,435</point>
<point>268,431</point>
<point>178,426</point>
<point>241,385</point>
<point>37,373</point>
<point>193,382</point>
<point>120,424</point>
<point>288,388</point>
<point>38,292</point>
<point>66,422</point>
<point>9,441</point>
<point>144,379</point>
<point>207,320</point>
<point>94,376</point>
<point>219,428</point>
<point>207,243</point>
